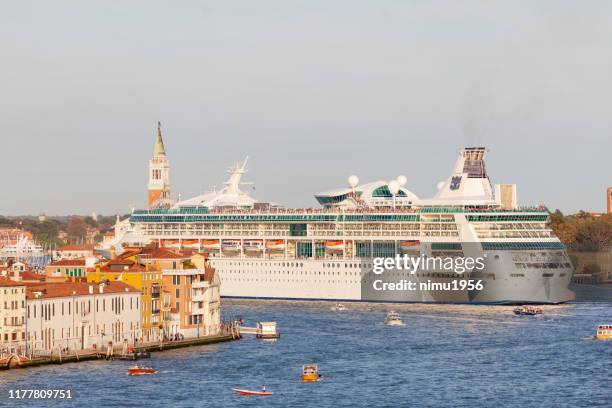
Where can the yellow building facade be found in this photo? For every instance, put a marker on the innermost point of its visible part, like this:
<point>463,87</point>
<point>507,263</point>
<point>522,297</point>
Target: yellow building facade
<point>154,308</point>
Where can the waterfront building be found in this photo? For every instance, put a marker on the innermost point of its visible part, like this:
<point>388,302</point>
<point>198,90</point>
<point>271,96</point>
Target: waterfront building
<point>12,316</point>
<point>80,315</point>
<point>149,281</point>
<point>195,301</point>
<point>159,173</point>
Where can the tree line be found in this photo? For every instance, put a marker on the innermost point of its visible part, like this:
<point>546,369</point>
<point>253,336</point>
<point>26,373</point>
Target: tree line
<point>583,231</point>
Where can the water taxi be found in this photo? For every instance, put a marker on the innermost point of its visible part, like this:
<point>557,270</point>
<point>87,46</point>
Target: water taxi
<point>339,308</point>
<point>604,332</point>
<point>527,311</point>
<point>393,319</point>
<point>140,370</point>
<point>262,393</point>
<point>310,373</point>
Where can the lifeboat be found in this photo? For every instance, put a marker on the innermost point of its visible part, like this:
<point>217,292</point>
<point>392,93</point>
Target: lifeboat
<point>262,393</point>
<point>409,244</point>
<point>231,245</point>
<point>253,245</point>
<point>275,245</point>
<point>604,332</point>
<point>211,244</point>
<point>191,243</point>
<point>139,370</point>
<point>334,245</point>
<point>170,243</point>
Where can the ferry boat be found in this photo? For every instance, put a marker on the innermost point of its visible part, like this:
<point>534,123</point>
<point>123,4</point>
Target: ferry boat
<point>328,253</point>
<point>604,332</point>
<point>393,319</point>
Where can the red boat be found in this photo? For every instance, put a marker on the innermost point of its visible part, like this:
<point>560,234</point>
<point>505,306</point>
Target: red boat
<point>138,370</point>
<point>262,393</point>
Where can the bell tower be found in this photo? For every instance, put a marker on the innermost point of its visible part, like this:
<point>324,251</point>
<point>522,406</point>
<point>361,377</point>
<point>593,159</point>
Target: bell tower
<point>159,172</point>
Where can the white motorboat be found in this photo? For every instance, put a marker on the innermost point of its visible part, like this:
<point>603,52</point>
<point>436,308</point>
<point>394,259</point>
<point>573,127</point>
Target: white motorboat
<point>393,319</point>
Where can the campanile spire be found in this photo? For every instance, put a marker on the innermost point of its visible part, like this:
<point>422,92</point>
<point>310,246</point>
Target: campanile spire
<point>159,173</point>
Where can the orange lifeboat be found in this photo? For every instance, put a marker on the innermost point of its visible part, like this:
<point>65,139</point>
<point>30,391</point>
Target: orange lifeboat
<point>275,245</point>
<point>409,244</point>
<point>190,243</point>
<point>170,243</point>
<point>334,245</point>
<point>211,244</point>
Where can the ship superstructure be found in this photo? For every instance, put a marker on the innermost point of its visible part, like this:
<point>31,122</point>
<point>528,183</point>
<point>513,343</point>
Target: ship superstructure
<point>263,250</point>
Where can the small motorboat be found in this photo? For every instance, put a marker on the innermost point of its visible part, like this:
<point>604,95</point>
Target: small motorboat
<point>262,393</point>
<point>140,370</point>
<point>310,373</point>
<point>339,308</point>
<point>527,311</point>
<point>393,319</point>
<point>604,332</point>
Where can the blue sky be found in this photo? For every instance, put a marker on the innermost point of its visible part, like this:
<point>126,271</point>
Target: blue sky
<point>312,90</point>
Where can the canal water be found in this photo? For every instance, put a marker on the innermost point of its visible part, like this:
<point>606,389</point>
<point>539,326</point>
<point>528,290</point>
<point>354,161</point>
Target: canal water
<point>459,356</point>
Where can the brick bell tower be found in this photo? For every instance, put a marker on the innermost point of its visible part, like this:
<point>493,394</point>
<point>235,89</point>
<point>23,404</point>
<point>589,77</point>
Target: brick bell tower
<point>159,172</point>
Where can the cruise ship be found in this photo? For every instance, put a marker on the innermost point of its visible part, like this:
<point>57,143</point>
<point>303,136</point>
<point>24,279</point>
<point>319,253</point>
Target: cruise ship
<point>265,250</point>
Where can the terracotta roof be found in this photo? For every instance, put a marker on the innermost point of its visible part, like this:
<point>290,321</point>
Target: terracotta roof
<point>128,253</point>
<point>118,261</point>
<point>82,247</point>
<point>69,262</point>
<point>28,275</point>
<point>162,253</point>
<point>131,268</point>
<point>4,282</point>
<point>51,290</point>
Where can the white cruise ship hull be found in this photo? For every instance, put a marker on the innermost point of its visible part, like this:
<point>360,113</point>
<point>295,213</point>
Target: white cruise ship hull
<point>352,280</point>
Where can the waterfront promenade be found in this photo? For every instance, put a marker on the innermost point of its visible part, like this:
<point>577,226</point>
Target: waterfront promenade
<point>228,333</point>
